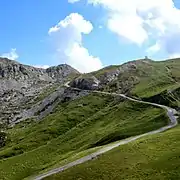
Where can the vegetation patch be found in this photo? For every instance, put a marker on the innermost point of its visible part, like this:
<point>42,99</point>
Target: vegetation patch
<point>154,157</point>
<point>74,127</point>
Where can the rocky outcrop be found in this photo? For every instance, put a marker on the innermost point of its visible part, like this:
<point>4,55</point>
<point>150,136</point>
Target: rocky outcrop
<point>107,76</point>
<point>112,73</point>
<point>58,73</point>
<point>21,84</point>
<point>10,69</point>
<point>41,109</point>
<point>86,83</point>
<point>14,75</point>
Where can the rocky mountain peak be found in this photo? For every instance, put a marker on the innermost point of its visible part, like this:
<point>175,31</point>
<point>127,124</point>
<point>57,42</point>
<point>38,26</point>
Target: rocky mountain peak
<point>21,84</point>
<point>10,69</point>
<point>60,71</point>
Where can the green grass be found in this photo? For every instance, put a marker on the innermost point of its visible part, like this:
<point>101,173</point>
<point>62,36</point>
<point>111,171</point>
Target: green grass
<point>154,157</point>
<point>78,127</point>
<point>142,78</point>
<point>154,78</point>
<point>72,130</point>
<point>65,117</point>
<point>105,70</point>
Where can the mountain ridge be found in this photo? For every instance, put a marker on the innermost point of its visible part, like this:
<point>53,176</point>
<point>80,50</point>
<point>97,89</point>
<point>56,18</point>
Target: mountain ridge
<point>45,124</point>
<point>24,84</point>
<point>21,84</point>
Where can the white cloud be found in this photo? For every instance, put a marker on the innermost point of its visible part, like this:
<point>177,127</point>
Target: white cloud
<point>67,37</point>
<point>139,20</point>
<point>42,66</point>
<point>129,27</point>
<point>11,55</point>
<point>73,1</point>
<point>154,48</point>
<point>173,56</point>
<point>80,58</point>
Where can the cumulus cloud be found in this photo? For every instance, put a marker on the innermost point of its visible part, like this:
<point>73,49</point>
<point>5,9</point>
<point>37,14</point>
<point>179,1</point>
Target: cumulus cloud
<point>67,36</point>
<point>11,55</point>
<point>73,1</point>
<point>154,48</point>
<point>138,21</point>
<point>173,56</point>
<point>42,66</point>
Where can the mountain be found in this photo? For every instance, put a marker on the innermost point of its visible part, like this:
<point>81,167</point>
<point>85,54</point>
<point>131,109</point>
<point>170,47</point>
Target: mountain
<point>21,87</point>
<point>135,77</point>
<point>45,124</point>
<point>18,76</point>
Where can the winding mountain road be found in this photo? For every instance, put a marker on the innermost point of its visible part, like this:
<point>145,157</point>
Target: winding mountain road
<point>173,122</point>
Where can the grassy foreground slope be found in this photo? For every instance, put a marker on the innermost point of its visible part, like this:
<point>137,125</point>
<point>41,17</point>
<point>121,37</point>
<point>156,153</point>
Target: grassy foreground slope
<point>74,127</point>
<point>154,157</point>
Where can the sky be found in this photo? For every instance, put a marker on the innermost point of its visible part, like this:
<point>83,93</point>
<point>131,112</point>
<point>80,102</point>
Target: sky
<point>88,34</point>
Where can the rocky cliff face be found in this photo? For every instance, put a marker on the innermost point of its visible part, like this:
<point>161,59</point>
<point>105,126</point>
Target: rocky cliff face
<point>121,78</point>
<point>10,69</point>
<point>101,78</point>
<point>20,86</point>
<point>26,91</point>
<point>58,73</point>
<point>14,75</point>
<point>86,83</point>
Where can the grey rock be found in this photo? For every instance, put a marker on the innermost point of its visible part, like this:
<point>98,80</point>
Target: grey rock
<point>86,83</point>
<point>47,105</point>
<point>57,73</point>
<point>21,84</point>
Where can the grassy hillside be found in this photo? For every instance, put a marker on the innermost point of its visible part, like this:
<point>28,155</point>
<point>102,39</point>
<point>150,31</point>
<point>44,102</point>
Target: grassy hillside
<point>71,131</point>
<point>155,157</point>
<point>78,127</point>
<point>160,76</point>
<point>142,78</point>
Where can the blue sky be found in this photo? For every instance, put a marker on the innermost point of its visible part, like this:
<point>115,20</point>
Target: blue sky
<point>97,33</point>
